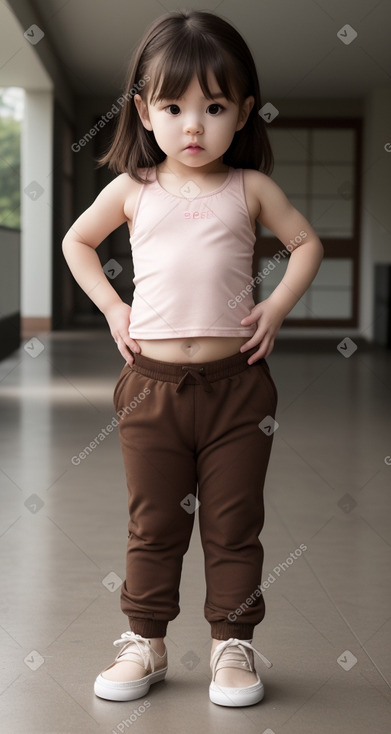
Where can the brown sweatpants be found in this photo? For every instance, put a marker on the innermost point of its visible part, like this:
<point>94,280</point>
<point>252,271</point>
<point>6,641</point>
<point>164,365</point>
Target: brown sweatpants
<point>183,428</point>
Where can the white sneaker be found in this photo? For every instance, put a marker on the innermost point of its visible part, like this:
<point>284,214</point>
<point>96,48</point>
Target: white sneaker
<point>234,653</point>
<point>136,649</point>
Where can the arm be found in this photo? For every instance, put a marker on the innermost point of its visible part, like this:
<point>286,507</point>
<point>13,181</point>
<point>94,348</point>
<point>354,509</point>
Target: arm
<point>278,215</point>
<point>79,248</point>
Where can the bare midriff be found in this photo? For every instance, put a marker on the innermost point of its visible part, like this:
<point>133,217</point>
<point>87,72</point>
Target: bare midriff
<point>192,349</point>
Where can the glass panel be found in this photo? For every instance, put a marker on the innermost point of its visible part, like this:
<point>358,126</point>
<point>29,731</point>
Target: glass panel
<point>292,179</point>
<point>301,311</point>
<point>320,304</point>
<point>300,203</point>
<point>326,198</point>
<point>332,180</point>
<point>334,272</point>
<point>289,144</point>
<point>332,218</point>
<point>333,145</point>
<point>273,277</point>
<point>11,117</point>
<point>329,296</point>
<point>331,303</point>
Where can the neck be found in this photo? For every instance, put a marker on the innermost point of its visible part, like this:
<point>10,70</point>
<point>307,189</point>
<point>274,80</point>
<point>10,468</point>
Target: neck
<point>170,165</point>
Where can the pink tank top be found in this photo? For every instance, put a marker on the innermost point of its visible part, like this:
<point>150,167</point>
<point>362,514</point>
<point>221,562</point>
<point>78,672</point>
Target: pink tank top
<point>192,259</point>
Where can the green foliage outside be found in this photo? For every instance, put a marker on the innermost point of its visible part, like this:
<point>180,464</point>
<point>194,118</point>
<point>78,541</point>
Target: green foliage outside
<point>9,171</point>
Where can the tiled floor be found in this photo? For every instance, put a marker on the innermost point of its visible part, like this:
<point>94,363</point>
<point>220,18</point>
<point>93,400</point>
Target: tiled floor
<point>63,530</point>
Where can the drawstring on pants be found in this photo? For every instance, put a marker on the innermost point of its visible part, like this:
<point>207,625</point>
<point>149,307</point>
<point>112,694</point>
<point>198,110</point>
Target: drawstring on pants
<point>197,372</point>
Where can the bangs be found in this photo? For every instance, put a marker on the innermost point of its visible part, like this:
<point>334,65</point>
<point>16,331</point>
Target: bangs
<point>181,61</point>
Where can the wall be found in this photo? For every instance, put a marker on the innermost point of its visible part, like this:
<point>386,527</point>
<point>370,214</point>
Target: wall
<point>376,209</point>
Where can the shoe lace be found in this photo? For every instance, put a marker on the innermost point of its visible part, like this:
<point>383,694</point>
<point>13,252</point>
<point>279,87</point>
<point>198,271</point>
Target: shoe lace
<point>244,646</point>
<point>143,645</point>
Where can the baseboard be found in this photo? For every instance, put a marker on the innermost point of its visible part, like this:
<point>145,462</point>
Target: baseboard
<point>33,325</point>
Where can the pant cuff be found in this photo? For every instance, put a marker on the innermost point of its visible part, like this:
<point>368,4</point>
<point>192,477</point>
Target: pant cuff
<point>224,630</point>
<point>148,627</point>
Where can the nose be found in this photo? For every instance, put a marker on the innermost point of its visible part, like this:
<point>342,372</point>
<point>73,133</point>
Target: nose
<point>193,126</point>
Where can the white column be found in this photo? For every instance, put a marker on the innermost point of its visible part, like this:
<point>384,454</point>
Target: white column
<point>36,205</point>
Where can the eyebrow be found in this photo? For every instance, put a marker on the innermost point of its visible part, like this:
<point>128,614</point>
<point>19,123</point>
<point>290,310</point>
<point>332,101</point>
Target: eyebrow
<point>217,95</point>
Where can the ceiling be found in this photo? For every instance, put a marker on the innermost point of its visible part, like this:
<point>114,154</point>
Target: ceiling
<point>20,66</point>
<point>294,42</point>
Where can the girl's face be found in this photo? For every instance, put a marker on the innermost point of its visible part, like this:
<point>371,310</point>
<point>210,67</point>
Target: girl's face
<point>193,119</point>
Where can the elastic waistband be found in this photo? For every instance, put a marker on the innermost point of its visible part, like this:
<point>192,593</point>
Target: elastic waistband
<point>194,372</point>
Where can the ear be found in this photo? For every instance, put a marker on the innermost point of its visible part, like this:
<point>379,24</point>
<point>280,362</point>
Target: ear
<point>142,110</point>
<point>244,113</point>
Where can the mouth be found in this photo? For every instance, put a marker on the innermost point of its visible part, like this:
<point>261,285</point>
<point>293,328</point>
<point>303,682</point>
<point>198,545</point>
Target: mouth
<point>194,146</point>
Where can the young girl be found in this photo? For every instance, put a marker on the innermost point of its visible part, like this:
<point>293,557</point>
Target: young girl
<point>192,155</point>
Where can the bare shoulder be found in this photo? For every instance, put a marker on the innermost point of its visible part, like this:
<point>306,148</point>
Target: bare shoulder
<point>276,212</point>
<point>271,199</point>
<point>120,196</point>
<point>256,187</point>
<point>251,190</point>
<point>259,183</point>
<point>131,190</point>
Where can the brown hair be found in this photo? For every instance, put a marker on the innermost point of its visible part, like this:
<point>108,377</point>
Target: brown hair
<point>174,48</point>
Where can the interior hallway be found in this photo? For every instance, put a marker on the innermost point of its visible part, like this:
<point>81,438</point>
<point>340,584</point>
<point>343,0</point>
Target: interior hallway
<point>63,533</point>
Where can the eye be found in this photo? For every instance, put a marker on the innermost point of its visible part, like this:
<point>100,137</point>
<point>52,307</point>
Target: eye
<point>215,109</point>
<point>173,109</point>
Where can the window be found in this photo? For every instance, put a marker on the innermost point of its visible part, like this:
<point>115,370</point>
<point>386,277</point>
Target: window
<point>11,114</point>
<point>317,166</point>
